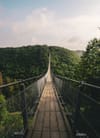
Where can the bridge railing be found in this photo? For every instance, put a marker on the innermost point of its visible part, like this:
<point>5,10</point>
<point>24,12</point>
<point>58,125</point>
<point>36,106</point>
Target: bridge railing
<point>19,108</point>
<point>81,102</point>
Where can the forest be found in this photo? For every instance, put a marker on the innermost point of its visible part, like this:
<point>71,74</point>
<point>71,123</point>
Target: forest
<point>27,61</point>
<point>18,64</point>
<point>64,61</point>
<point>84,68</point>
<point>23,62</point>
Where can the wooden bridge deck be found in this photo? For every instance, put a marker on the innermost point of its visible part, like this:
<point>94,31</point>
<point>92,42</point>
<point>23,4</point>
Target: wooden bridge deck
<point>49,121</point>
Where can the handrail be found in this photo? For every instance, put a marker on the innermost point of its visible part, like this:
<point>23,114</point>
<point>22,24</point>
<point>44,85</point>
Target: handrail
<point>79,82</point>
<point>66,78</point>
<point>21,81</point>
<point>82,104</point>
<point>24,102</point>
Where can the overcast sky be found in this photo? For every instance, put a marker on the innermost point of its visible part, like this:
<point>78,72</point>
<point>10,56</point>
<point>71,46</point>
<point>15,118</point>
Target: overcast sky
<point>66,23</point>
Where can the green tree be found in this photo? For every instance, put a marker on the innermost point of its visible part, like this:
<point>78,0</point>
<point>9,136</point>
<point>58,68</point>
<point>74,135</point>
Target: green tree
<point>3,110</point>
<point>64,61</point>
<point>20,63</point>
<point>90,63</point>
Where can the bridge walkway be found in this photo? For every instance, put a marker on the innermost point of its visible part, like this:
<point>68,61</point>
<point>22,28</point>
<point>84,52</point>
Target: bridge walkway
<point>49,121</point>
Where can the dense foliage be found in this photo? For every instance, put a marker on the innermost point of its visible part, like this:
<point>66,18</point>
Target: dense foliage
<point>89,68</point>
<point>15,64</point>
<point>64,61</point>
<point>23,62</point>
<point>3,110</point>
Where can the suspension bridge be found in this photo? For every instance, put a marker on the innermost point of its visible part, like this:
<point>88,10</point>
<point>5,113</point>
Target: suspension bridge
<point>52,107</point>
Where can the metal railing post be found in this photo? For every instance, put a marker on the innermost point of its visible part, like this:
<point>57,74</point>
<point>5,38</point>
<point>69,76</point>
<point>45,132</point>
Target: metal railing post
<point>77,114</point>
<point>23,107</point>
<point>77,108</point>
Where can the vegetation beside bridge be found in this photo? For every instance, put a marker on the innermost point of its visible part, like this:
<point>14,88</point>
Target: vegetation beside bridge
<point>24,62</point>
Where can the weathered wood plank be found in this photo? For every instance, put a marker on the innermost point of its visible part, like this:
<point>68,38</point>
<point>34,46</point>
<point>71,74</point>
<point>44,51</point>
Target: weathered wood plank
<point>49,121</point>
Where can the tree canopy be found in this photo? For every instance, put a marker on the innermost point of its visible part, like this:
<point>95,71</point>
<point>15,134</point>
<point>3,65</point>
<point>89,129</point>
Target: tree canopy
<point>63,61</point>
<point>90,63</point>
<point>23,62</point>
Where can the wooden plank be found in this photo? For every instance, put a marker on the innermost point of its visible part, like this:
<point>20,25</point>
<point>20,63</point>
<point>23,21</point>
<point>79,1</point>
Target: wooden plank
<point>53,121</point>
<point>49,122</point>
<point>52,106</point>
<point>45,134</point>
<point>47,105</point>
<point>46,125</point>
<point>60,122</point>
<point>39,121</point>
<point>57,106</point>
<point>55,134</point>
<point>41,105</point>
<point>36,134</point>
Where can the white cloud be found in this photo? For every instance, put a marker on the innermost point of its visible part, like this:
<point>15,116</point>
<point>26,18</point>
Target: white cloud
<point>45,27</point>
<point>37,20</point>
<point>1,24</point>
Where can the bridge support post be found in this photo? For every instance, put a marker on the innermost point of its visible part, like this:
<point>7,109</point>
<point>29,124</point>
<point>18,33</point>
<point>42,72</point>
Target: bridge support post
<point>77,113</point>
<point>23,107</point>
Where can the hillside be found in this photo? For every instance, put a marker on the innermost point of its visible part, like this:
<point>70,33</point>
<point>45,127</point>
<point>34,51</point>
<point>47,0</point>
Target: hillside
<point>63,61</point>
<point>79,52</point>
<point>23,62</point>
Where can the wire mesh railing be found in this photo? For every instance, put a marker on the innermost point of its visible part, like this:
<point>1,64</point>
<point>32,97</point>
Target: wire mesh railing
<point>17,111</point>
<point>81,103</point>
